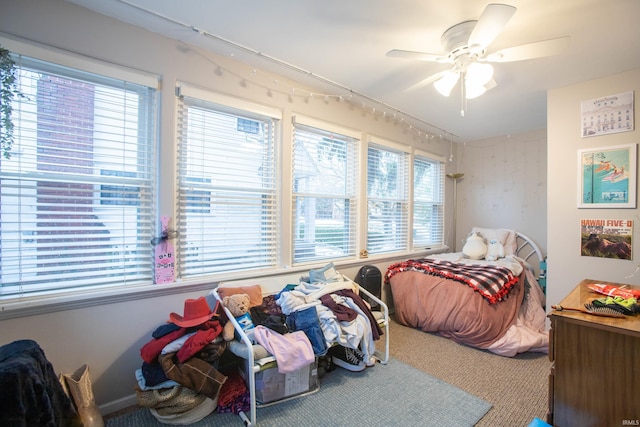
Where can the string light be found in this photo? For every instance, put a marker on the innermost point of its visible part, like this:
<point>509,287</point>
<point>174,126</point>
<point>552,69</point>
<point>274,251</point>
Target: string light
<point>410,124</point>
<point>450,155</point>
<point>367,103</point>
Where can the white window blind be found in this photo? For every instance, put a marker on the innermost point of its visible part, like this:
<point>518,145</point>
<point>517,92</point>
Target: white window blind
<point>387,199</point>
<point>77,186</point>
<point>227,198</point>
<point>428,202</point>
<point>324,194</point>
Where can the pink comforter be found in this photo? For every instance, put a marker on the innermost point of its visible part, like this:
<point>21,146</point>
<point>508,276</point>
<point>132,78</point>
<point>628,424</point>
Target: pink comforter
<point>452,309</point>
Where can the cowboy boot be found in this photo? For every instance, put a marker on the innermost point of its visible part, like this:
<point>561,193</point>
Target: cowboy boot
<point>79,384</point>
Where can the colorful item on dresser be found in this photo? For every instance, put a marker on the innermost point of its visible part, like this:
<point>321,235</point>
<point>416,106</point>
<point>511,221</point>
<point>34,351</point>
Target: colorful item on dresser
<point>627,306</point>
<point>614,291</point>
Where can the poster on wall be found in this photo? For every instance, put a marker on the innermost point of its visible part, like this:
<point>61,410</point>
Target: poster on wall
<point>607,177</point>
<point>608,114</point>
<point>606,238</point>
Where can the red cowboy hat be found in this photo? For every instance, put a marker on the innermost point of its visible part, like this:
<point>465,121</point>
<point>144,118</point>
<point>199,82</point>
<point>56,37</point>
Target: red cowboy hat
<point>196,312</point>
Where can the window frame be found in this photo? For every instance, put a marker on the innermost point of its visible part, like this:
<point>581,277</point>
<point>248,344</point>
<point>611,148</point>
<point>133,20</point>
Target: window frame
<point>403,199</point>
<point>213,103</point>
<point>438,203</point>
<point>352,139</point>
<point>106,77</point>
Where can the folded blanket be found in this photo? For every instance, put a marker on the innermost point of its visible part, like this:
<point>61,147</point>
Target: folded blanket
<point>491,281</point>
<point>30,392</point>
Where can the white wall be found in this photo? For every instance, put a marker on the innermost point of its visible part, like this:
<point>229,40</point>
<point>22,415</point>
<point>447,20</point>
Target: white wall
<point>108,335</point>
<point>566,267</point>
<point>504,186</point>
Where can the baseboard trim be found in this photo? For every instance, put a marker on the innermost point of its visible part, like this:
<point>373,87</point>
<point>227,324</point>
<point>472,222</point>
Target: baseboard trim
<point>118,404</point>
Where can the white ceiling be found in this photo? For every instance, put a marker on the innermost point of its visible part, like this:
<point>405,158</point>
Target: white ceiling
<point>345,42</point>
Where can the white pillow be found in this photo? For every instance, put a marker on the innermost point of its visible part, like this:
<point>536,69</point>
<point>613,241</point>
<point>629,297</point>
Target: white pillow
<point>503,235</point>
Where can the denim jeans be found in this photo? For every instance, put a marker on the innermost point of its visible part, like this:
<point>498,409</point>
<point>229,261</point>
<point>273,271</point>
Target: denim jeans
<point>306,320</point>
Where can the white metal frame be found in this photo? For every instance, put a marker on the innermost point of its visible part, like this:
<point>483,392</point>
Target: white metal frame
<point>255,367</point>
<point>527,248</point>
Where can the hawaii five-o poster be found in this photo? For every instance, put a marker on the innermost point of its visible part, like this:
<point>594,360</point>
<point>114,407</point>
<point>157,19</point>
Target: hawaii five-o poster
<point>606,238</point>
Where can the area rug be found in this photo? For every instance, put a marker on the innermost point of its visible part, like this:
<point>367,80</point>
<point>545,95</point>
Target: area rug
<point>382,395</point>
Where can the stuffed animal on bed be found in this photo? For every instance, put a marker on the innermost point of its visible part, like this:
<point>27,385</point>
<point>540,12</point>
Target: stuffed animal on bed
<point>238,305</point>
<point>475,247</point>
<point>495,250</point>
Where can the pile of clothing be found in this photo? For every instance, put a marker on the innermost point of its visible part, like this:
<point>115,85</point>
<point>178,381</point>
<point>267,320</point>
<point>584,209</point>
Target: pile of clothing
<point>179,379</point>
<point>323,316</point>
<point>327,306</point>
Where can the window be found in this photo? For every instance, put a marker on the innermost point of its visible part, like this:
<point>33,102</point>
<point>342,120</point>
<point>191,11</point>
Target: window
<point>324,194</point>
<point>77,193</point>
<point>387,199</point>
<point>428,201</point>
<point>226,194</point>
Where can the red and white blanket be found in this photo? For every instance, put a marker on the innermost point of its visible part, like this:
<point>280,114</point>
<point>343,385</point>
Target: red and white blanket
<point>493,282</point>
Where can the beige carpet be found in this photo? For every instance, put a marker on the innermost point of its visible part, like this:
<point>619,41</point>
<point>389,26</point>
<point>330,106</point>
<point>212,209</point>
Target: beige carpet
<point>516,387</point>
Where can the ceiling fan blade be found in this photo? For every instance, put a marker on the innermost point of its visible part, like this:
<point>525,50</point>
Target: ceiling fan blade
<point>425,82</point>
<point>490,84</point>
<point>491,23</point>
<point>474,91</point>
<point>530,50</point>
<point>409,54</point>
<point>446,84</point>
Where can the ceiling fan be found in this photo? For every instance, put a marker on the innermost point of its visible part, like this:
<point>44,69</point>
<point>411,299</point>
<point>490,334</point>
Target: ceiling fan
<point>466,45</point>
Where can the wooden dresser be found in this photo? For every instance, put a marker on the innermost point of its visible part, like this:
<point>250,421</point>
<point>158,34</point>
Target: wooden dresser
<point>595,375</point>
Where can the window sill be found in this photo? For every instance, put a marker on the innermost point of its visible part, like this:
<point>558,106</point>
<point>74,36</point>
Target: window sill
<point>12,307</point>
<point>16,307</point>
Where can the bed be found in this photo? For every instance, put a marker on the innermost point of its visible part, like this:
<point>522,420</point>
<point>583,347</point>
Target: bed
<point>491,305</point>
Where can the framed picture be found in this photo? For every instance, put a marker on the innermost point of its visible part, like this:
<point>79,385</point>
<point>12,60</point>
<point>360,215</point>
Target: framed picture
<point>607,238</point>
<point>608,114</point>
<point>607,177</point>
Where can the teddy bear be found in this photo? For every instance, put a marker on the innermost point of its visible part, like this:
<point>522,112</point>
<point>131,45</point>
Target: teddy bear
<point>238,305</point>
<point>495,250</point>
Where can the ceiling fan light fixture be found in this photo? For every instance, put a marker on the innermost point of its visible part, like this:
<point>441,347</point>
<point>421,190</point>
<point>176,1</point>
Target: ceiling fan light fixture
<point>478,74</point>
<point>465,46</point>
<point>446,83</point>
<point>474,90</point>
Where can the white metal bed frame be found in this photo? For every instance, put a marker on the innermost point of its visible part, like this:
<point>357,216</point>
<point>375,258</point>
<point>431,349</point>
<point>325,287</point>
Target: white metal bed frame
<point>256,366</point>
<point>529,251</point>
<point>528,248</point>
